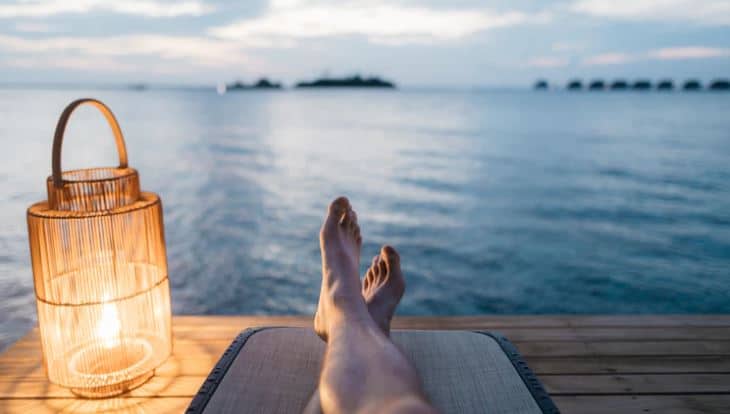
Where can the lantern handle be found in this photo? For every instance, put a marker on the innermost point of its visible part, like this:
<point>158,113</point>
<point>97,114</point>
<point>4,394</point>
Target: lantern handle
<point>61,129</point>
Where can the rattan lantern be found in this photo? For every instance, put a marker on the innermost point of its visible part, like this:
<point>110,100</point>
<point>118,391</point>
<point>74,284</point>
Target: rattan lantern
<point>100,270</point>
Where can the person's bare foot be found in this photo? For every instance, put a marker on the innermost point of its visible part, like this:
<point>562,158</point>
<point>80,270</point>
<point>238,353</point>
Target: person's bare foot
<point>340,242</point>
<point>383,287</point>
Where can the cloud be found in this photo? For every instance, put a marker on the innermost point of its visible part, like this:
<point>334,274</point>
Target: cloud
<point>547,62</point>
<point>688,52</point>
<point>608,59</point>
<point>669,53</point>
<point>712,12</point>
<point>380,22</point>
<point>146,8</point>
<point>190,50</point>
<point>33,27</point>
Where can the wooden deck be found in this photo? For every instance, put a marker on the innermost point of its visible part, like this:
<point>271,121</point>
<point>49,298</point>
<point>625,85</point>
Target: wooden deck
<point>592,364</point>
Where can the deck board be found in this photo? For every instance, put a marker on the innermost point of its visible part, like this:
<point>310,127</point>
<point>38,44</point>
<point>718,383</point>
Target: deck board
<point>669,364</point>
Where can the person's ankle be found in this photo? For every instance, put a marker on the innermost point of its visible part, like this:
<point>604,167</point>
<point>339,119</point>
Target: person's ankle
<point>356,320</point>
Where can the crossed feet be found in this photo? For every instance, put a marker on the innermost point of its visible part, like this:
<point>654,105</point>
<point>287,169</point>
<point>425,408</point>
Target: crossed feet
<point>342,295</point>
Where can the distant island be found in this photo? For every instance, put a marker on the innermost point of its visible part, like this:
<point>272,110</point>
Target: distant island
<point>597,85</point>
<point>720,85</point>
<point>351,82</point>
<point>692,85</point>
<point>262,83</point>
<point>574,85</point>
<point>663,85</point>
<point>619,85</point>
<point>641,85</point>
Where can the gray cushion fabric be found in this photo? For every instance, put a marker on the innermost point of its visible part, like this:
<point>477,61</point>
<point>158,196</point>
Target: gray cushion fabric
<point>276,371</point>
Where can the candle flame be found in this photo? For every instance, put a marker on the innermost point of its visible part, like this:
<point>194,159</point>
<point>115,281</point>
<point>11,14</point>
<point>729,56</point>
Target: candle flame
<point>109,328</point>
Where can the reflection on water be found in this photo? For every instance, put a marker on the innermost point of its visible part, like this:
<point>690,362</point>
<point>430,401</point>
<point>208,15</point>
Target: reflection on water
<point>499,202</point>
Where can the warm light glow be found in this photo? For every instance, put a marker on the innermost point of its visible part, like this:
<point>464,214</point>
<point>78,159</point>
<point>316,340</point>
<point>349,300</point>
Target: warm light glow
<point>109,328</point>
<point>100,270</point>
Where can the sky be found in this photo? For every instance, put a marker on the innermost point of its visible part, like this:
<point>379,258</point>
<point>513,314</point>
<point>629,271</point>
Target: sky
<point>413,42</point>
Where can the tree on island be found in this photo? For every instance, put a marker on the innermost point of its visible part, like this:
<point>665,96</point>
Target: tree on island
<point>641,85</point>
<point>262,83</point>
<point>348,82</point>
<point>720,85</point>
<point>619,85</point>
<point>665,85</point>
<point>575,85</point>
<point>597,85</point>
<point>692,85</point>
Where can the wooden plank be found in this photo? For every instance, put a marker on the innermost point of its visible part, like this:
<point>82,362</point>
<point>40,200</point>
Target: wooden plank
<point>118,405</point>
<point>191,365</point>
<point>157,386</point>
<point>572,349</point>
<point>649,320</point>
<point>664,404</point>
<point>187,386</point>
<point>198,365</point>
<point>569,334</point>
<point>636,384</point>
<point>517,334</point>
<point>672,404</point>
<point>652,325</point>
<point>629,365</point>
<point>214,348</point>
<point>191,358</point>
<point>481,321</point>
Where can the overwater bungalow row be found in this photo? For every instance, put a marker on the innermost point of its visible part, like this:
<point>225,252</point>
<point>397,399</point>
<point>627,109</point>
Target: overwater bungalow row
<point>637,85</point>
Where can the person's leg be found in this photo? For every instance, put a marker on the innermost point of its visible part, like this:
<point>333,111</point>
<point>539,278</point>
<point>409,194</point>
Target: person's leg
<point>382,288</point>
<point>363,371</point>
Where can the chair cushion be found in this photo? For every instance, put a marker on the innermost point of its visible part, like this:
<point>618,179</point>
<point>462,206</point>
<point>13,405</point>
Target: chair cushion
<point>275,370</point>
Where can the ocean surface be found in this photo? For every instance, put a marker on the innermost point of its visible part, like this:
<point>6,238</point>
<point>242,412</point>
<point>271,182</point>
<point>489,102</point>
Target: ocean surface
<point>499,202</point>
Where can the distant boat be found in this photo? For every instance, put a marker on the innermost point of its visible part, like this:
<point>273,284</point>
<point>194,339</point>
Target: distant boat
<point>665,85</point>
<point>262,83</point>
<point>641,85</point>
<point>597,85</point>
<point>720,85</point>
<point>619,85</point>
<point>692,85</point>
<point>575,85</point>
<point>351,82</point>
<point>138,87</point>
<point>540,84</point>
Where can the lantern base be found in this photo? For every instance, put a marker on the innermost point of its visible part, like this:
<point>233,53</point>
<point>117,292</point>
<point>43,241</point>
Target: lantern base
<point>113,390</point>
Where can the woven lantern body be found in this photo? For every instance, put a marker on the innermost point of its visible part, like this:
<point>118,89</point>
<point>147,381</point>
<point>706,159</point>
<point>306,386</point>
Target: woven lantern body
<point>100,271</point>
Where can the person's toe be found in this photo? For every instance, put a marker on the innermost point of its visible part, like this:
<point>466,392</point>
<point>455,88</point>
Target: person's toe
<point>339,206</point>
<point>391,258</point>
<point>367,281</point>
<point>349,220</point>
<point>335,213</point>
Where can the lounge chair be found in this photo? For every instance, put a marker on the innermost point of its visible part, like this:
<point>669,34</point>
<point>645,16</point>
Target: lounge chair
<point>275,370</point>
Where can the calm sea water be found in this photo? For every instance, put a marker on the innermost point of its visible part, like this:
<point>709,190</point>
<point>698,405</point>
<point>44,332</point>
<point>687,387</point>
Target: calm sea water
<point>499,202</point>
